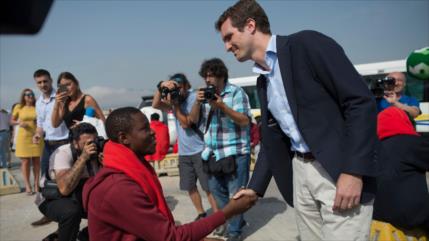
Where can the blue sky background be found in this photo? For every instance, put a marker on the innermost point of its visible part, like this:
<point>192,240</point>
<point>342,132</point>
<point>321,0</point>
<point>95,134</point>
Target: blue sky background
<point>119,50</point>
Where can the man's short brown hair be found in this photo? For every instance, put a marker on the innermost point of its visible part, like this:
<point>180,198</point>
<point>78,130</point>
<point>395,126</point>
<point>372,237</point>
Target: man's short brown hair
<point>240,12</point>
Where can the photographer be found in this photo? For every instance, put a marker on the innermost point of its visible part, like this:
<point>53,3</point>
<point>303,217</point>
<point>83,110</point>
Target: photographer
<point>69,166</point>
<point>225,112</point>
<point>180,97</point>
<point>397,98</point>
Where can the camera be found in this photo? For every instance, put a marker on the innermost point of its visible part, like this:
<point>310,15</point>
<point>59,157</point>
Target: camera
<point>379,86</point>
<point>209,92</point>
<point>174,93</point>
<point>99,144</point>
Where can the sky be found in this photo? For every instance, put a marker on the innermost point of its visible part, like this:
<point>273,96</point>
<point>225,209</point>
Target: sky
<point>120,50</point>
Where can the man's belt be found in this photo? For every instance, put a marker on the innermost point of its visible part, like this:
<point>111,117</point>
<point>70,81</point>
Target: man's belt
<point>305,156</point>
<point>57,142</point>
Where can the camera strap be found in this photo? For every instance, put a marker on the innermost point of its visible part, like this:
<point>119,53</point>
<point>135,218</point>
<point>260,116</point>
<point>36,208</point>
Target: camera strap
<point>195,128</point>
<point>209,119</point>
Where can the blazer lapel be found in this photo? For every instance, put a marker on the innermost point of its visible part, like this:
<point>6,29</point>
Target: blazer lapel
<point>261,84</point>
<point>285,64</point>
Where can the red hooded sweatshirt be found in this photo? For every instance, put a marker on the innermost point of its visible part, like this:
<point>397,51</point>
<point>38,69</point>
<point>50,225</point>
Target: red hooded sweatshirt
<point>120,209</point>
<point>162,141</point>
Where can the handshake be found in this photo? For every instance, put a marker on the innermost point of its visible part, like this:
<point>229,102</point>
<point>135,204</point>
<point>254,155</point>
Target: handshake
<point>242,201</point>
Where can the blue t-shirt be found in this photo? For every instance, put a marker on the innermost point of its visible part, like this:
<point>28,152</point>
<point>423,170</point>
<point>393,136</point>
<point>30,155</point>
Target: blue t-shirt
<point>189,141</point>
<point>405,99</point>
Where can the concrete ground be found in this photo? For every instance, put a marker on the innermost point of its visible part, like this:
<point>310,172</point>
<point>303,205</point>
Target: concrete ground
<point>270,219</point>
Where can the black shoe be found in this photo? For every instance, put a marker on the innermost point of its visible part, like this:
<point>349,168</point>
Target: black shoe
<point>235,238</point>
<point>200,216</point>
<point>51,237</point>
<point>220,231</point>
<point>44,220</point>
<point>243,223</point>
<point>83,235</point>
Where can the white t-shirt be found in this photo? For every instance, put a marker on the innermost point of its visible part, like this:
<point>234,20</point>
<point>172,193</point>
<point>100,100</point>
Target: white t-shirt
<point>61,159</point>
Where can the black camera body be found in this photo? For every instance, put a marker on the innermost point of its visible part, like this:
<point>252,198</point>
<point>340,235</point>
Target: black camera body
<point>209,92</point>
<point>99,144</point>
<point>174,93</point>
<point>379,86</point>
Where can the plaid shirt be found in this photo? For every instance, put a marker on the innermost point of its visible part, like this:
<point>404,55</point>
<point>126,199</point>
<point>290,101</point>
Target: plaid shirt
<point>224,137</point>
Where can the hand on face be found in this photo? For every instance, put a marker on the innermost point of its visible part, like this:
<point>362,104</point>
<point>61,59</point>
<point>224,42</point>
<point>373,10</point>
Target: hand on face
<point>88,149</point>
<point>61,97</point>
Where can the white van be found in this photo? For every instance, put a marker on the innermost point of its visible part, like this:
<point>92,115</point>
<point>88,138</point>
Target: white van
<point>416,88</point>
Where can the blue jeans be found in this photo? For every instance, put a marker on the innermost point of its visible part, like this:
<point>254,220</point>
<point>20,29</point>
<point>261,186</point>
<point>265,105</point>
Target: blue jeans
<point>4,148</point>
<point>48,149</point>
<point>224,187</point>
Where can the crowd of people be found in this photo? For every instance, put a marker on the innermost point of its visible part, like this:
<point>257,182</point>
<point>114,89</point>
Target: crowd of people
<point>339,156</point>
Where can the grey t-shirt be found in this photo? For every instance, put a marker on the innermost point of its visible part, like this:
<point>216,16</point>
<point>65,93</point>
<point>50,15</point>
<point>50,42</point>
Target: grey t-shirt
<point>189,141</point>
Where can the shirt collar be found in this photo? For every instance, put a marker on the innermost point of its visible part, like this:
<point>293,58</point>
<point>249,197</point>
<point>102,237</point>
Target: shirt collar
<point>226,89</point>
<point>270,57</point>
<point>51,97</point>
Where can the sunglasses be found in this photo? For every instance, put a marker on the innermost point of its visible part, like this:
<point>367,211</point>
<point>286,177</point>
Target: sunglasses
<point>29,94</point>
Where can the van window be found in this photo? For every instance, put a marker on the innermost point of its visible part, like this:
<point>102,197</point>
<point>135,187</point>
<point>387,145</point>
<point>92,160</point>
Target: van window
<point>253,96</point>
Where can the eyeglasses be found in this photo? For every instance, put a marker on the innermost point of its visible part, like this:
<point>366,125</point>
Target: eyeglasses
<point>29,94</point>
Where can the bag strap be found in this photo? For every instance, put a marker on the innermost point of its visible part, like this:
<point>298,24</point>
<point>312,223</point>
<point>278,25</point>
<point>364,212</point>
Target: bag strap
<point>209,119</point>
<point>195,128</point>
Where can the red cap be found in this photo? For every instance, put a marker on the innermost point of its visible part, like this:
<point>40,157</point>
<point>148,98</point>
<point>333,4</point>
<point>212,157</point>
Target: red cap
<point>394,121</point>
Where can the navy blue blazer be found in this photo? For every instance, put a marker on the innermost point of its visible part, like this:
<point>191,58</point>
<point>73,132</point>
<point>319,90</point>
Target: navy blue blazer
<point>332,107</point>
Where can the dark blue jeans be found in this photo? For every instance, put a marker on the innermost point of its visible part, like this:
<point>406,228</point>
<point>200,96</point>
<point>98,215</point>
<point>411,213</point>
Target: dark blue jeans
<point>48,149</point>
<point>224,187</point>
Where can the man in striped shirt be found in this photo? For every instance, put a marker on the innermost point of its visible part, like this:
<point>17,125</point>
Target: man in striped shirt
<point>225,116</point>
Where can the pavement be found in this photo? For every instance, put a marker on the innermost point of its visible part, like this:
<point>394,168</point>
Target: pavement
<point>270,219</point>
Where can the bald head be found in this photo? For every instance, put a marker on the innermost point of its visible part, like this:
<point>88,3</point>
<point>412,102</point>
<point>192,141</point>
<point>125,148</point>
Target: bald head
<point>398,76</point>
<point>400,80</point>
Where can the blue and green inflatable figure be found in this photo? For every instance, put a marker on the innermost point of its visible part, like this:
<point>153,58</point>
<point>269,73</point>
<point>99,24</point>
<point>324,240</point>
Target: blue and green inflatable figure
<point>418,64</point>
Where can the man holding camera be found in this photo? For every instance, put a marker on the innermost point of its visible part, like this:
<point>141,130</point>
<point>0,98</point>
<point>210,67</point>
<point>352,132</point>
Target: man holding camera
<point>397,98</point>
<point>69,166</point>
<point>176,94</point>
<point>224,110</point>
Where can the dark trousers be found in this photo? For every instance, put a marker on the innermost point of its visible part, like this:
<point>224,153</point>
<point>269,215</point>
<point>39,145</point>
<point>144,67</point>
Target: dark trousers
<point>47,151</point>
<point>67,212</point>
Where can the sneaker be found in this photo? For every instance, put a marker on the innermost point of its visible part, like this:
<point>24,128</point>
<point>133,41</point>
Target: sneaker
<point>83,235</point>
<point>200,216</point>
<point>220,231</point>
<point>235,238</point>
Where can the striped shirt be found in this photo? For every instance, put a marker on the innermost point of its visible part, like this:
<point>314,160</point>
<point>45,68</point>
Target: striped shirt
<point>224,137</point>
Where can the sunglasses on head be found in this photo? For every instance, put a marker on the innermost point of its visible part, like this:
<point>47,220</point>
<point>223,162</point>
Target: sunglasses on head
<point>29,94</point>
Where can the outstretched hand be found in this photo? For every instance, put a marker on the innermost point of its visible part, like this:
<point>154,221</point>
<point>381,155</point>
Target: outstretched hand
<point>240,204</point>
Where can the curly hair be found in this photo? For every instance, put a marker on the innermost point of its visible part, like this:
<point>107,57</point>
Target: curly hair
<point>216,67</point>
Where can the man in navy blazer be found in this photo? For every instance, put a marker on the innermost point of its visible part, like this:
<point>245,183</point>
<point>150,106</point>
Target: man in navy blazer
<point>318,124</point>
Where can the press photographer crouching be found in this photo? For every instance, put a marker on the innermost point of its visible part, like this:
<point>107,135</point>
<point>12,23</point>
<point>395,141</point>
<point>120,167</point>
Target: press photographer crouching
<point>69,167</point>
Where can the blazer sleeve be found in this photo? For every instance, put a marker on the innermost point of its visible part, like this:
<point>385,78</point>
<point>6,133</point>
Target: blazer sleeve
<point>337,74</point>
<point>261,175</point>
